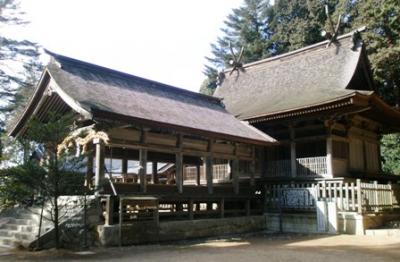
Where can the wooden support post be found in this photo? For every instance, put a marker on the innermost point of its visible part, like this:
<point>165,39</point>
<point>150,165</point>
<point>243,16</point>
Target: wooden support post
<point>293,161</point>
<point>253,166</point>
<point>359,197</point>
<point>222,208</point>
<point>263,168</point>
<point>198,174</point>
<point>248,207</point>
<point>329,156</point>
<point>121,217</point>
<point>154,173</point>
<point>124,169</point>
<point>235,175</point>
<point>209,173</point>
<point>190,209</point>
<point>109,217</point>
<point>89,170</point>
<point>143,170</point>
<point>179,172</point>
<point>99,176</point>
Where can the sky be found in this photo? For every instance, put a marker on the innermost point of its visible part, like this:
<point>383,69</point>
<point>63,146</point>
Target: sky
<point>162,40</point>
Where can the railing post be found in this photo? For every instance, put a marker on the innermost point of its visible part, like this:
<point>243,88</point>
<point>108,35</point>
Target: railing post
<point>390,195</point>
<point>359,197</point>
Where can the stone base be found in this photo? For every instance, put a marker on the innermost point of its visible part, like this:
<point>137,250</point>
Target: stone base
<point>147,232</point>
<point>353,223</point>
<point>293,222</point>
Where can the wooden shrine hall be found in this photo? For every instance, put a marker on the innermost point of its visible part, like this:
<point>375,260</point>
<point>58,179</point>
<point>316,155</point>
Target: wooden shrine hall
<point>182,147</point>
<point>306,121</point>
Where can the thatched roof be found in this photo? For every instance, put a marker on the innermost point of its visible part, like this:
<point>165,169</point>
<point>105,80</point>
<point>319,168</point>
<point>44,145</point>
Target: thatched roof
<point>98,92</point>
<point>305,78</point>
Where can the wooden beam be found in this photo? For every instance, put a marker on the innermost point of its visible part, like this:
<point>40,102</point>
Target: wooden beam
<point>143,170</point>
<point>179,172</point>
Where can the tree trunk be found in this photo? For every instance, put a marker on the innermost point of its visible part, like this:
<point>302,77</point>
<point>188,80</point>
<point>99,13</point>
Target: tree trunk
<point>56,228</point>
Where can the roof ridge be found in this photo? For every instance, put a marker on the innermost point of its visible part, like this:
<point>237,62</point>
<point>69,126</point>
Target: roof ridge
<point>117,73</point>
<point>300,50</point>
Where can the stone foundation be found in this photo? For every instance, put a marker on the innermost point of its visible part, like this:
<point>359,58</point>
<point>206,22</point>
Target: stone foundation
<point>293,222</point>
<point>148,232</point>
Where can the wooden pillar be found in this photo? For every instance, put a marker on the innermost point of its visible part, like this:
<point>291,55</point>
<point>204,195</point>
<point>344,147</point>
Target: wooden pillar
<point>329,154</point>
<point>190,209</point>
<point>235,175</point>
<point>248,207</point>
<point>124,169</point>
<point>143,170</point>
<point>109,217</point>
<point>89,170</point>
<point>222,208</point>
<point>253,166</point>
<point>99,176</point>
<point>155,172</point>
<point>198,174</point>
<point>179,172</point>
<point>209,173</point>
<point>263,167</point>
<point>293,161</point>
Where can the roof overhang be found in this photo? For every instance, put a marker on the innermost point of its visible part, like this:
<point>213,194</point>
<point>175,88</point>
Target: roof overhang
<point>99,114</point>
<point>40,100</point>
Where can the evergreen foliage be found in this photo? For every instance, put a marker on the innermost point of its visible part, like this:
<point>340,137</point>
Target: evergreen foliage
<point>20,65</point>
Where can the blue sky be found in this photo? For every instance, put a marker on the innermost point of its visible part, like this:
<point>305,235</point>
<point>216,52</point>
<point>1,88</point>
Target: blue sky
<point>161,40</point>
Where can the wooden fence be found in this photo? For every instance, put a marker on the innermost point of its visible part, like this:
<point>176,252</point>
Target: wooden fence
<point>349,195</point>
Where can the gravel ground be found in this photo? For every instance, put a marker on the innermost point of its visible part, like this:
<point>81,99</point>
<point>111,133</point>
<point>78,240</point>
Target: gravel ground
<point>260,247</point>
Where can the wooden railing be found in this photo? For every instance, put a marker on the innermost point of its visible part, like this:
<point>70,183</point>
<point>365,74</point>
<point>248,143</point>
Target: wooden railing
<point>349,195</point>
<point>311,166</point>
<point>305,167</point>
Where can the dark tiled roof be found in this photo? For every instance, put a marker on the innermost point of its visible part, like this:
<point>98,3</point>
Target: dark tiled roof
<point>307,77</point>
<point>97,88</point>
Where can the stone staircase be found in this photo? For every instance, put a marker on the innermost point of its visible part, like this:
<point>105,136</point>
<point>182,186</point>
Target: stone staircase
<point>19,226</point>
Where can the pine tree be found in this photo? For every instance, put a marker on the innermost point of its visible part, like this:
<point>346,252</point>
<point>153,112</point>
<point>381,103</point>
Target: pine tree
<point>247,27</point>
<point>298,23</point>
<point>20,65</point>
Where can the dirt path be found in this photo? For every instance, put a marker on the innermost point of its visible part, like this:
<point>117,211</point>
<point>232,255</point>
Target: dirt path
<point>320,248</point>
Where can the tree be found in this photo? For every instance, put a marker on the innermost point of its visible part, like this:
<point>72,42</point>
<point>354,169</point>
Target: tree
<point>298,23</point>
<point>391,154</point>
<point>61,177</point>
<point>247,27</point>
<point>20,64</point>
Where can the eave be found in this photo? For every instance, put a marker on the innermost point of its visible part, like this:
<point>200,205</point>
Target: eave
<point>46,84</point>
